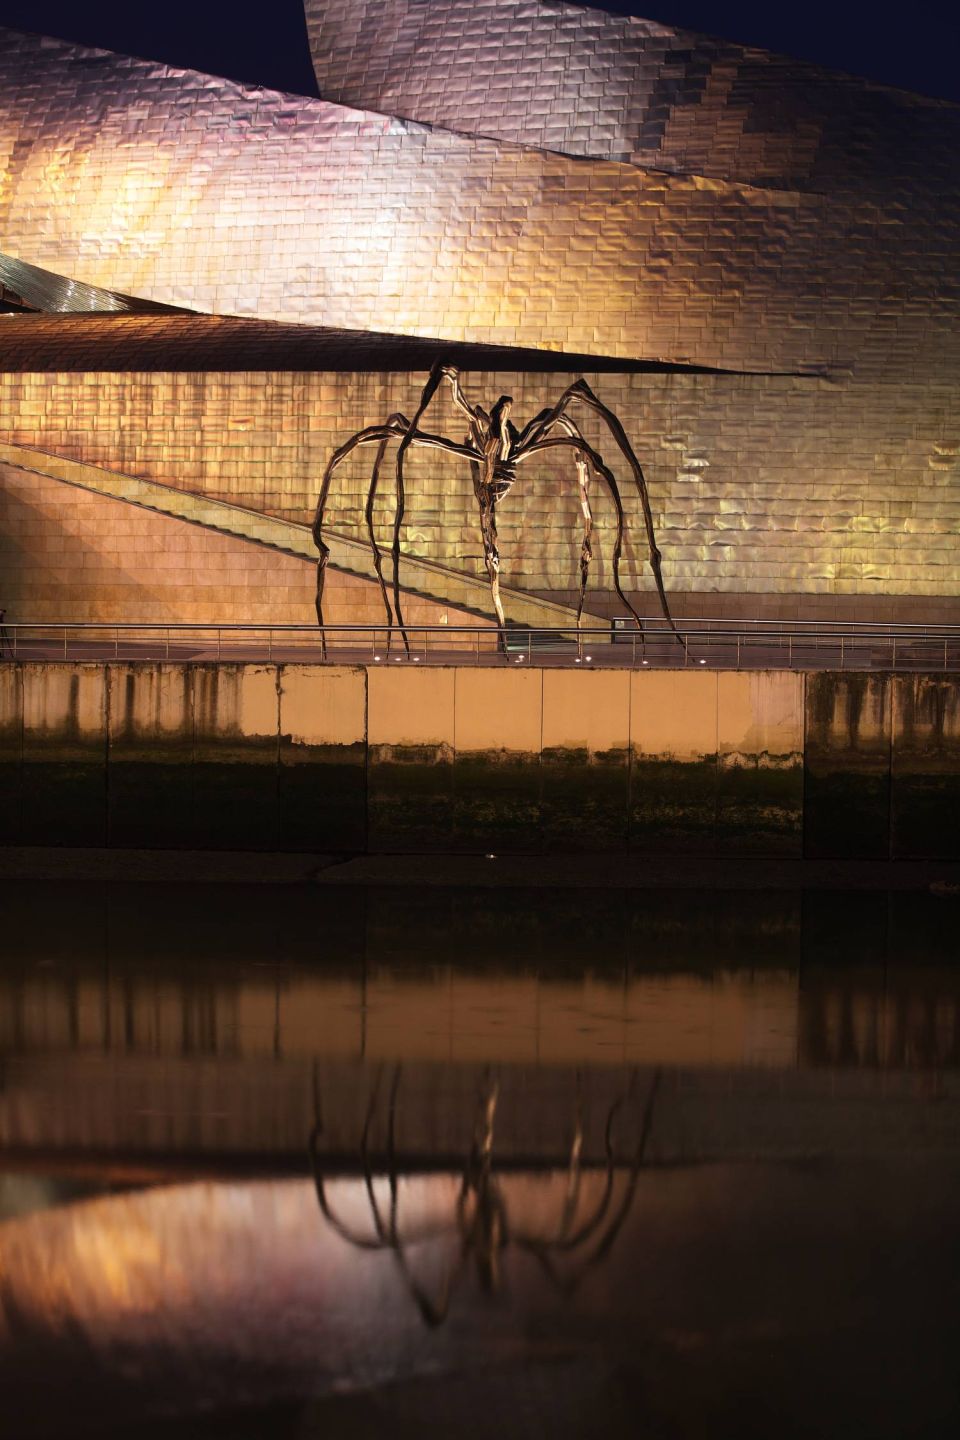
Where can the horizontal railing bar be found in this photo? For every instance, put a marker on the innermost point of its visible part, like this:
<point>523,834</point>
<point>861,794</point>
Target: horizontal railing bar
<point>847,629</point>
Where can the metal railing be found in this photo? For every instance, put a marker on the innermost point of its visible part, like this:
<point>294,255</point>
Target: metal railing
<point>715,644</point>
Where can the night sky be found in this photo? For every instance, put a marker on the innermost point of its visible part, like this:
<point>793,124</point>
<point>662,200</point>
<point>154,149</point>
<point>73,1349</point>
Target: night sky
<point>267,44</point>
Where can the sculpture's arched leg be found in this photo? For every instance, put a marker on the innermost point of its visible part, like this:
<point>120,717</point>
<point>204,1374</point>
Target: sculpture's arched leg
<point>577,441</point>
<point>586,547</point>
<point>396,426</point>
<point>491,555</point>
<point>426,395</point>
<point>537,430</point>
<point>368,513</point>
<point>479,420</point>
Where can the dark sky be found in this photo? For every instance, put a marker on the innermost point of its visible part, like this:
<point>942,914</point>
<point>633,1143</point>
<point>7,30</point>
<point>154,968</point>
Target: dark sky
<point>913,45</point>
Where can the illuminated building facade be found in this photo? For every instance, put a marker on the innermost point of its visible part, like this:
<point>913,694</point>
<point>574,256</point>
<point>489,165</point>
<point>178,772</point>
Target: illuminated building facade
<point>753,262</point>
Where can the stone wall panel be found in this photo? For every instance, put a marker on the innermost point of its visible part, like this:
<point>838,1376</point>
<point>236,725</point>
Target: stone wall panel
<point>150,795</point>
<point>846,805</point>
<point>410,749</point>
<point>760,753</point>
<point>11,746</point>
<point>585,759</point>
<point>323,758</point>
<point>497,735</point>
<point>235,756</point>
<point>926,767</point>
<point>64,754</point>
<point>673,770</point>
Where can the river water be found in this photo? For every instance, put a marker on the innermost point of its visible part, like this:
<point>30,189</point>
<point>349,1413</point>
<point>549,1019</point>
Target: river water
<point>524,1163</point>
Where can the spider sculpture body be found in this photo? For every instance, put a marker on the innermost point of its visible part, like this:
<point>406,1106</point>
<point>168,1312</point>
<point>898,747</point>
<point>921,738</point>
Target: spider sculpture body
<point>495,449</point>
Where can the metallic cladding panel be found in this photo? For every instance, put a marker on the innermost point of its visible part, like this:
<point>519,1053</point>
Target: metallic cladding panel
<point>189,190</point>
<point>758,484</point>
<point>570,78</point>
<point>148,181</point>
<point>56,294</point>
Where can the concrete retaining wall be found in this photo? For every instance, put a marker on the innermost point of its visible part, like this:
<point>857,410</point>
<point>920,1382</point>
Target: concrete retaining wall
<point>344,758</point>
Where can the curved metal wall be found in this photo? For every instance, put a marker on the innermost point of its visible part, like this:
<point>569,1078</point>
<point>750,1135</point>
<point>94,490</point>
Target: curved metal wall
<point>574,79</point>
<point>193,191</point>
<point>148,181</point>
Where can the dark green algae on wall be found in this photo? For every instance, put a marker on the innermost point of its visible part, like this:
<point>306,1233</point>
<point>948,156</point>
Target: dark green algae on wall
<point>235,779</point>
<point>410,797</point>
<point>584,798</point>
<point>151,756</point>
<point>63,774</point>
<point>322,796</point>
<point>743,803</point>
<point>496,801</point>
<point>847,769</point>
<point>673,804</point>
<point>194,756</point>
<point>925,818</point>
<point>11,745</point>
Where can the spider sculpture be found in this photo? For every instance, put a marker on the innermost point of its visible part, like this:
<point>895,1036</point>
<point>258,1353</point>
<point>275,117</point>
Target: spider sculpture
<point>480,1220</point>
<point>494,448</point>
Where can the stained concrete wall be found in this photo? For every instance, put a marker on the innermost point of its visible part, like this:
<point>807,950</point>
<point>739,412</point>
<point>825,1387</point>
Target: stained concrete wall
<point>847,772</point>
<point>402,757</point>
<point>882,766</point>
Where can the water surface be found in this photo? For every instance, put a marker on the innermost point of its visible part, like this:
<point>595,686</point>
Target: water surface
<point>283,1162</point>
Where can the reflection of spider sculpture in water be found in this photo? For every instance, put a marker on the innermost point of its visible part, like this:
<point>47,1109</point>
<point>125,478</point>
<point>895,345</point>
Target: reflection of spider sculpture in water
<point>494,449</point>
<point>480,1215</point>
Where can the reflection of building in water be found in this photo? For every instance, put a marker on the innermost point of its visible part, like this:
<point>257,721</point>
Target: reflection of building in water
<point>892,1019</point>
<point>886,1016</point>
<point>732,1017</point>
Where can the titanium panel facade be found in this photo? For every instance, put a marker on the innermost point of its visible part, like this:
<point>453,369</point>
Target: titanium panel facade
<point>193,191</point>
<point>619,190</point>
<point>574,79</point>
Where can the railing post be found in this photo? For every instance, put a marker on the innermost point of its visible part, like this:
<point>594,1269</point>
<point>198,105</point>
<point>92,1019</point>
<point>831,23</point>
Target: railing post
<point>218,642</point>
<point>738,650</point>
<point>64,642</point>
<point>841,652</point>
<point>167,637</point>
<point>893,654</point>
<point>789,652</point>
<point>270,643</point>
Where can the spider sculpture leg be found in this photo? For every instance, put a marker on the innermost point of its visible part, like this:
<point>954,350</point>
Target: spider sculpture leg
<point>375,548</point>
<point>602,1228</point>
<point>486,1231</point>
<point>399,427</point>
<point>575,440</point>
<point>586,547</point>
<point>541,424</point>
<point>574,1172</point>
<point>474,450</point>
<point>426,395</point>
<point>491,552</point>
<point>373,434</point>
